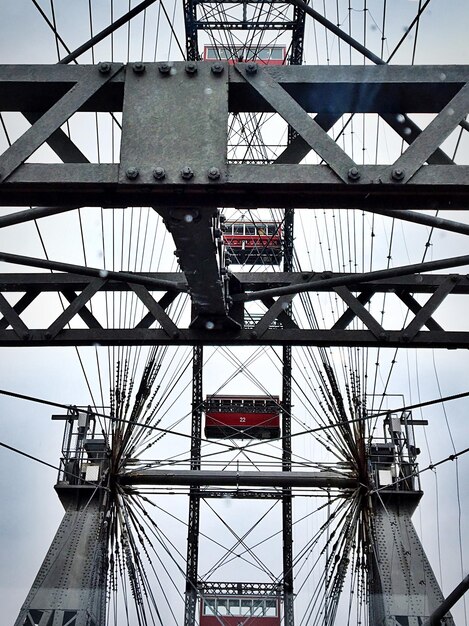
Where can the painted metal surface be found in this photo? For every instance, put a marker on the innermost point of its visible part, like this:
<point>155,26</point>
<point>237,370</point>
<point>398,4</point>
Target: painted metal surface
<point>71,582</point>
<point>213,90</point>
<point>274,326</point>
<point>404,590</point>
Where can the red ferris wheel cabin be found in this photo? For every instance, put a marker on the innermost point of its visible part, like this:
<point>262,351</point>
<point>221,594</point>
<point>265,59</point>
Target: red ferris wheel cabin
<point>242,417</point>
<point>265,55</point>
<point>240,604</point>
<point>253,243</point>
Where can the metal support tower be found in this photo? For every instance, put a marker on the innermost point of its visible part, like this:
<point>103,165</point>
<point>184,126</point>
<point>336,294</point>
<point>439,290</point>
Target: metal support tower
<point>197,175</point>
<point>70,587</point>
<point>403,590</point>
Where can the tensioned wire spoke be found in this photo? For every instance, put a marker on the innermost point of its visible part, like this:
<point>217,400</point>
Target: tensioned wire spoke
<point>351,356</point>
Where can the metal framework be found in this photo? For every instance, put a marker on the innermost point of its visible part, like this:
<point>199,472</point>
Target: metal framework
<point>194,496</point>
<point>157,327</point>
<point>57,92</point>
<point>184,185</point>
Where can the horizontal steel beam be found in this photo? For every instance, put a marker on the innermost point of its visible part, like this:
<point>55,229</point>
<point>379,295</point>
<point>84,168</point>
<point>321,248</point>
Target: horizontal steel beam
<point>271,337</point>
<point>247,281</point>
<point>344,89</point>
<point>301,186</point>
<point>194,172</point>
<point>274,326</point>
<point>322,480</point>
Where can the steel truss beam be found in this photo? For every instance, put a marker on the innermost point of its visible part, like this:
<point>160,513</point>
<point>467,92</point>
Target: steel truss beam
<point>219,18</point>
<point>321,480</point>
<point>192,557</point>
<point>287,506</point>
<point>79,291</point>
<point>292,91</point>
<point>245,589</point>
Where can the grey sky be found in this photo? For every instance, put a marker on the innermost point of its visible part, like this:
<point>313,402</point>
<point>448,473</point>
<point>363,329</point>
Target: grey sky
<point>31,511</point>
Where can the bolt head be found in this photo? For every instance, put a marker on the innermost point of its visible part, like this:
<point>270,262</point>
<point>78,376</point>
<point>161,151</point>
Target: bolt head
<point>353,173</point>
<point>217,68</point>
<point>251,68</point>
<point>191,67</point>
<point>164,68</point>
<point>213,173</point>
<point>398,174</point>
<point>138,68</point>
<point>104,68</point>
<point>187,173</point>
<point>132,173</point>
<point>159,173</point>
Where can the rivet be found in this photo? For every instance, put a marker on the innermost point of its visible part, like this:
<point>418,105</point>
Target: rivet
<point>213,173</point>
<point>191,67</point>
<point>164,68</point>
<point>132,173</point>
<point>104,68</point>
<point>159,173</point>
<point>397,174</point>
<point>353,173</point>
<point>251,68</point>
<point>138,68</point>
<point>187,173</point>
<point>217,68</point>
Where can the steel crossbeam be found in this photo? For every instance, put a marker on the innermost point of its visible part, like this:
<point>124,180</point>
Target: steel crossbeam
<point>420,178</point>
<point>320,480</point>
<point>422,294</point>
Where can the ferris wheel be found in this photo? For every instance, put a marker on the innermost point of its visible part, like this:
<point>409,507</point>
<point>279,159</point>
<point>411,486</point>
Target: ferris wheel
<point>232,272</point>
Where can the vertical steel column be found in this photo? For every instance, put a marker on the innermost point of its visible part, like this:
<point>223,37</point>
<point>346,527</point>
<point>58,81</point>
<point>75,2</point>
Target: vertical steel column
<point>190,18</point>
<point>287,530</point>
<point>194,497</point>
<point>296,53</point>
<point>70,587</point>
<point>403,589</point>
<point>297,38</point>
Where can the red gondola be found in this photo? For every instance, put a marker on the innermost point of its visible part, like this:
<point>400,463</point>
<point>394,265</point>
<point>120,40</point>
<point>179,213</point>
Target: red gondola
<point>235,610</point>
<point>253,243</point>
<point>264,55</point>
<point>242,417</point>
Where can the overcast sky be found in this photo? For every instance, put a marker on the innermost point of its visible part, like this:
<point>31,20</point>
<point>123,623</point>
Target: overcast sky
<point>30,509</point>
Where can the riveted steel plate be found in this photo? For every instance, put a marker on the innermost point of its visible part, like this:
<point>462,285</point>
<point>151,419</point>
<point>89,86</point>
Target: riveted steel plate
<point>174,120</point>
